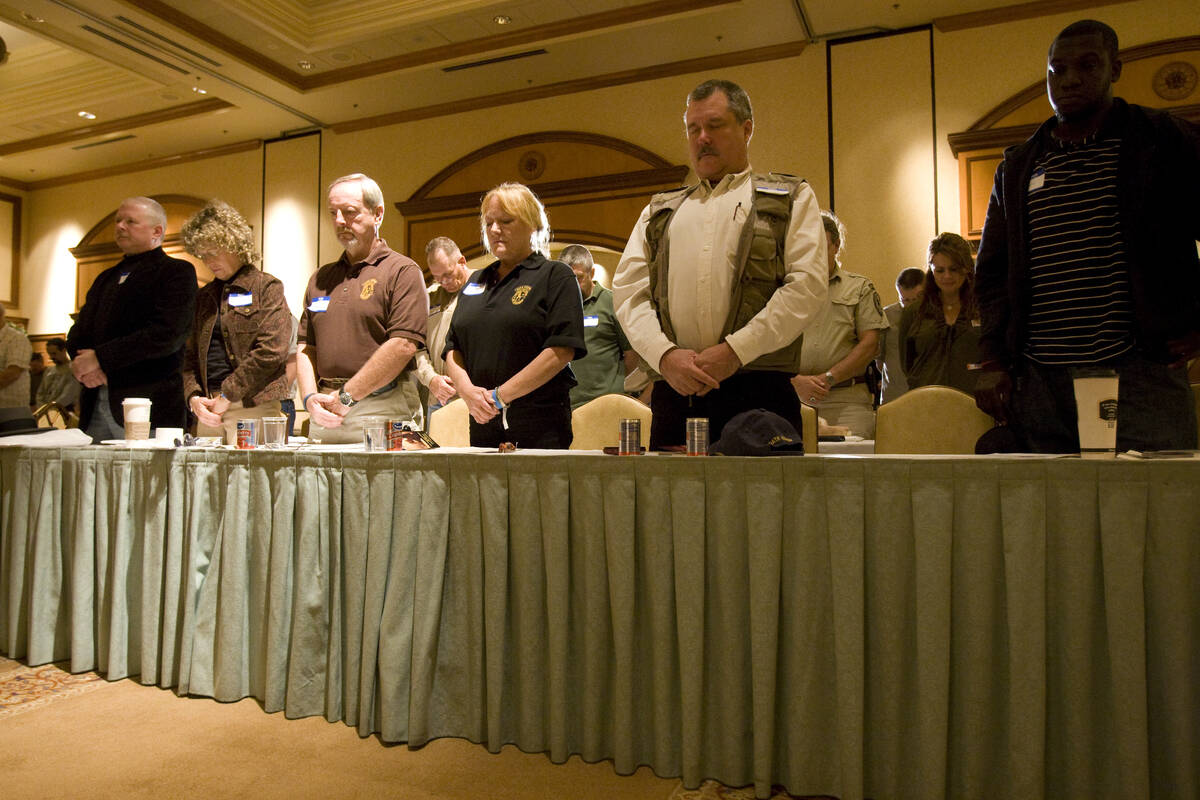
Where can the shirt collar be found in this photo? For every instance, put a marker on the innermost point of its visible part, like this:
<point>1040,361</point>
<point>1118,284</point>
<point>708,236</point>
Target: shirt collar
<point>239,278</point>
<point>129,263</point>
<point>729,182</point>
<point>379,251</point>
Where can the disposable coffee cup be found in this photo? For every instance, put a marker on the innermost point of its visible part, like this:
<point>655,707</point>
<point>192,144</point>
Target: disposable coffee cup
<point>375,434</point>
<point>136,411</point>
<point>168,436</point>
<point>1096,407</point>
<point>274,431</point>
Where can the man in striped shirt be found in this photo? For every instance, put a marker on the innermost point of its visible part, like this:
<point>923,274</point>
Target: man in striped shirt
<point>1088,259</point>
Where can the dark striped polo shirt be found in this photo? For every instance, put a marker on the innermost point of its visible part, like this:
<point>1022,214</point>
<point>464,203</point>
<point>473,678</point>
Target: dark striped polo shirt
<point>1081,311</point>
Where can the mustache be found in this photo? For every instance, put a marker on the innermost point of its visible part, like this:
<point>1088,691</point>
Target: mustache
<point>707,151</point>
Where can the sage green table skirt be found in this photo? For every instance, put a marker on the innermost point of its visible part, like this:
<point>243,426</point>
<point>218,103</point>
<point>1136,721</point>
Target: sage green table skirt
<point>881,627</point>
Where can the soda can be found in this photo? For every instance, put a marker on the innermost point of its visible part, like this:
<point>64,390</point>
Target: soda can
<point>697,436</point>
<point>395,433</point>
<point>629,442</point>
<point>247,432</point>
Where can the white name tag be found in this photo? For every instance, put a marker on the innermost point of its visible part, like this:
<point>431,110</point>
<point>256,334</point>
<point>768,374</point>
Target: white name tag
<point>319,304</point>
<point>591,321</point>
<point>473,288</point>
<point>241,299</point>
<point>1037,180</point>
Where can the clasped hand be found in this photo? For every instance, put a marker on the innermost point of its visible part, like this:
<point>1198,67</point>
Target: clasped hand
<point>326,410</point>
<point>811,388</point>
<point>479,403</point>
<point>692,373</point>
<point>209,410</point>
<point>86,369</point>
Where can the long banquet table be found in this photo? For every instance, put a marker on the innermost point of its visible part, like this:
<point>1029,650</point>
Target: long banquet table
<point>880,627</point>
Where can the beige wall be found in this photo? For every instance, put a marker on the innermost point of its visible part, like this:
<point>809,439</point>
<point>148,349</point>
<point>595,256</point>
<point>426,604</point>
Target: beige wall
<point>59,217</point>
<point>973,70</point>
<point>883,148</point>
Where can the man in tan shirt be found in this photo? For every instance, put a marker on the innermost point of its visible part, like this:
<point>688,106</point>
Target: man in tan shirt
<point>448,267</point>
<point>722,331</point>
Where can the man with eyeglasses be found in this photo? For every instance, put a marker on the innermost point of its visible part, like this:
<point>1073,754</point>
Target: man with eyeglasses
<point>448,268</point>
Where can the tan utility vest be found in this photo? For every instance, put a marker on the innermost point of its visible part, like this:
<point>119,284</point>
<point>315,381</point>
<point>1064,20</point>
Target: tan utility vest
<point>761,259</point>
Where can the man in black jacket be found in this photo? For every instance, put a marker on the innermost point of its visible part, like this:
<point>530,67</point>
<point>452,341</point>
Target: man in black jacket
<point>1088,259</point>
<point>129,337</point>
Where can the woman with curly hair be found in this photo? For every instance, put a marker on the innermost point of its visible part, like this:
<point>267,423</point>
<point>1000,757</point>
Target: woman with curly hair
<point>939,336</point>
<point>235,361</point>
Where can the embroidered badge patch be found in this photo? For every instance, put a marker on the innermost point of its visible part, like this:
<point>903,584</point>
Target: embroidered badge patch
<point>519,295</point>
<point>368,288</point>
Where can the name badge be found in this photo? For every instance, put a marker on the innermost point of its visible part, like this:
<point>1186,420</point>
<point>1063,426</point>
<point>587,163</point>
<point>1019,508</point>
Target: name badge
<point>473,288</point>
<point>1037,180</point>
<point>591,320</point>
<point>240,299</point>
<point>319,304</point>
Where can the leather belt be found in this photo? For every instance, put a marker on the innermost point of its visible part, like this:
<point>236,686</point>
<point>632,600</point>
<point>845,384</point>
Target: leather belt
<point>337,383</point>
<point>846,384</point>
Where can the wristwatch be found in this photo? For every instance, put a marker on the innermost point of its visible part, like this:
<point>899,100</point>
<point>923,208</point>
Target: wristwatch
<point>345,399</point>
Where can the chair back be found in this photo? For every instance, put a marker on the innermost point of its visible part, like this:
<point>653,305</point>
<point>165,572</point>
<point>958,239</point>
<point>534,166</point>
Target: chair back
<point>52,415</point>
<point>597,423</point>
<point>930,420</point>
<point>808,428</point>
<point>450,425</point>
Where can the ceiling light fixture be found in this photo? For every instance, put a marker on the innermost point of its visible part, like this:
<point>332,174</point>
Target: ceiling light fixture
<point>36,20</point>
<point>198,90</point>
<point>304,64</point>
<point>87,115</point>
<point>502,19</point>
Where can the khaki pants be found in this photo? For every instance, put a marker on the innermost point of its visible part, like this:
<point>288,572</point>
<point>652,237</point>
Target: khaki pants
<point>399,402</point>
<point>230,418</point>
<point>851,408</point>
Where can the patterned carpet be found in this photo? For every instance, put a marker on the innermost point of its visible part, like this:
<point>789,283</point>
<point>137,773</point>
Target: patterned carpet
<point>25,688</point>
<point>711,790</point>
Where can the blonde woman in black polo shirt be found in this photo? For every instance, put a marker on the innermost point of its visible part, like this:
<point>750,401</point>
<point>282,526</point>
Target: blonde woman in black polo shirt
<point>517,327</point>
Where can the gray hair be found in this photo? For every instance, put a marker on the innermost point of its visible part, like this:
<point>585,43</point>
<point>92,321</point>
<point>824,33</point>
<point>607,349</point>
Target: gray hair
<point>576,255</point>
<point>445,244</point>
<point>218,226</point>
<point>372,195</point>
<point>157,214</point>
<point>836,231</point>
<point>739,101</point>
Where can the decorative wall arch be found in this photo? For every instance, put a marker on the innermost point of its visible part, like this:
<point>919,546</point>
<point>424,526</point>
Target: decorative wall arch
<point>593,187</point>
<point>97,251</point>
<point>1158,75</point>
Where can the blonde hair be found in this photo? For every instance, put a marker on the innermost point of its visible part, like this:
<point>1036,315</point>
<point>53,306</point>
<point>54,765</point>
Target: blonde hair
<point>517,199</point>
<point>218,226</point>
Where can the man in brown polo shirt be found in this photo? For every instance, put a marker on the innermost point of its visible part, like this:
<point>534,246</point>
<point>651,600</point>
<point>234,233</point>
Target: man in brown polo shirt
<point>364,318</point>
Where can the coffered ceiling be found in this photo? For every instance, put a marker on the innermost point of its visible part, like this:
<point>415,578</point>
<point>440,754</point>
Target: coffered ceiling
<point>167,79</point>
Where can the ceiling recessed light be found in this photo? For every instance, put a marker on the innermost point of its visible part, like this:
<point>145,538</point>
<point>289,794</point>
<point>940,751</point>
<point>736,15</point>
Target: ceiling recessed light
<point>87,115</point>
<point>502,19</point>
<point>32,18</point>
<point>304,64</point>
<point>198,90</point>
